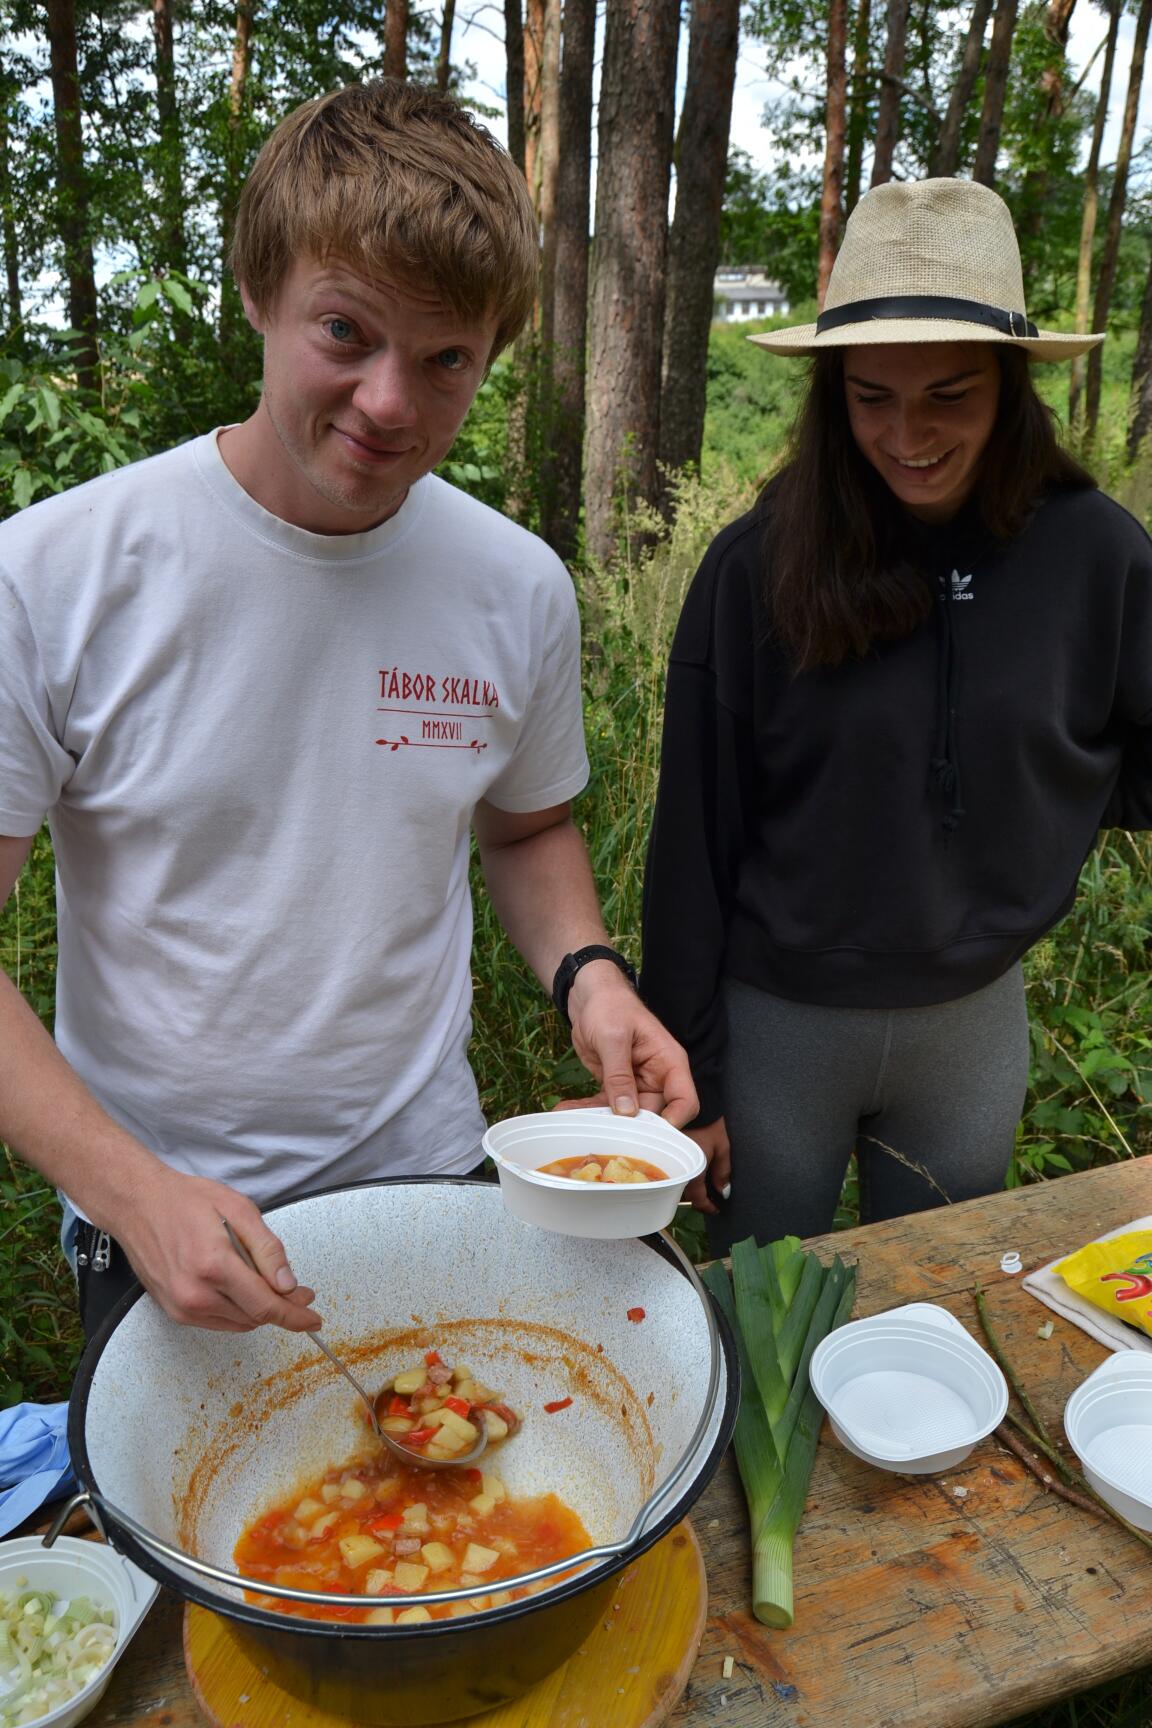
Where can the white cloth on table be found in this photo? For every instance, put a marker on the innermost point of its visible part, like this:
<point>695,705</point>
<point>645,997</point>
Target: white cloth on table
<point>1048,1287</point>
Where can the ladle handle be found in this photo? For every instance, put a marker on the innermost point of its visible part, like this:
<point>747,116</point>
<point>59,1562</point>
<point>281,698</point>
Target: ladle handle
<point>315,1338</point>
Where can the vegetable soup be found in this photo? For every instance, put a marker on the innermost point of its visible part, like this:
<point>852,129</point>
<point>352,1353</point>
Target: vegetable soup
<point>436,1411</point>
<point>604,1167</point>
<point>378,1528</point>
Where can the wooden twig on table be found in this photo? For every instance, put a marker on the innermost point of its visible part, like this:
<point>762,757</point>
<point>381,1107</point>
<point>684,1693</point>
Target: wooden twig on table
<point>1084,1495</point>
<point>1009,1372</point>
<point>1006,1438</point>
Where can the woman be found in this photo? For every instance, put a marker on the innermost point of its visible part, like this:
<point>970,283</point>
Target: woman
<point>906,691</point>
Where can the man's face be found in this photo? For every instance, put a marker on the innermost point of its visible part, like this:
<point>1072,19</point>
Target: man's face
<point>922,415</point>
<point>366,383</point>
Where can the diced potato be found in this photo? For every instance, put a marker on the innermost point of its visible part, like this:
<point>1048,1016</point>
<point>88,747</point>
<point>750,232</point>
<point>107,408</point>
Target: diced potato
<point>353,1489</point>
<point>397,1424</point>
<point>586,1173</point>
<point>378,1579</point>
<point>437,1556</point>
<point>409,1577</point>
<point>616,1170</point>
<point>308,1509</point>
<point>504,1543</point>
<point>446,1445</point>
<point>379,1617</point>
<point>457,1609</point>
<point>410,1380</point>
<point>412,1617</point>
<point>357,1550</point>
<point>460,1373</point>
<point>323,1524</point>
<point>482,1505</point>
<point>477,1558</point>
<point>499,1599</point>
<point>493,1487</point>
<point>414,1521</point>
<point>496,1425</point>
<point>460,1425</point>
<point>293,1535</point>
<point>330,1492</point>
<point>386,1490</point>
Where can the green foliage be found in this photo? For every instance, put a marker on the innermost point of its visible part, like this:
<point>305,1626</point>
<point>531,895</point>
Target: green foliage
<point>772,220</point>
<point>752,398</point>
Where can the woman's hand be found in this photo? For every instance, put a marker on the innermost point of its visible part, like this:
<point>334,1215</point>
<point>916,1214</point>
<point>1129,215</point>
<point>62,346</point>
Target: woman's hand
<point>713,1142</point>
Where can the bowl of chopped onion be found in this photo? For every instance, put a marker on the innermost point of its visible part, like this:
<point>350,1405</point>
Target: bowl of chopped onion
<point>592,1173</point>
<point>66,1614</point>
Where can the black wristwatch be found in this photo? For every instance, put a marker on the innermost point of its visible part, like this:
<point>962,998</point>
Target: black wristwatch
<point>571,964</point>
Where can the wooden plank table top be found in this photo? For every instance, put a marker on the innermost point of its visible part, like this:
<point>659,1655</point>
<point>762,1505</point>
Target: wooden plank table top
<point>953,1601</point>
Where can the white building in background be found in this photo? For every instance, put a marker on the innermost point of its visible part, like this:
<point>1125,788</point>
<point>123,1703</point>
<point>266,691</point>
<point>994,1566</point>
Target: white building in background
<point>743,291</point>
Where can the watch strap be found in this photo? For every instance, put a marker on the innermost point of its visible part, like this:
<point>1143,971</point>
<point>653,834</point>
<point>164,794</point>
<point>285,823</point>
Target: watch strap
<point>571,964</point>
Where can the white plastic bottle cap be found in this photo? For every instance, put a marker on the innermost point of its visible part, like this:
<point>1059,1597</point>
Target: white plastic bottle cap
<point>1011,1262</point>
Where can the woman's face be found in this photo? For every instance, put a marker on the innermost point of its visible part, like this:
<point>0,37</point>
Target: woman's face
<point>922,415</point>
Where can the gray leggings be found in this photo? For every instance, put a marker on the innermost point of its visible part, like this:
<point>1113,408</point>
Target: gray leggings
<point>941,1088</point>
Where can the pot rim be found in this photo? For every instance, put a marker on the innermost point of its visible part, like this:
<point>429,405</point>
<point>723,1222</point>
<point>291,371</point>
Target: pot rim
<point>595,1572</point>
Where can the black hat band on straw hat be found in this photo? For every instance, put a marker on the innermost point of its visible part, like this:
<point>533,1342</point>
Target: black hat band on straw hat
<point>927,306</point>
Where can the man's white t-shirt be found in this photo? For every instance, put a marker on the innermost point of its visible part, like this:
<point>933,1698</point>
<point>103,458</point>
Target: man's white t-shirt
<point>259,751</point>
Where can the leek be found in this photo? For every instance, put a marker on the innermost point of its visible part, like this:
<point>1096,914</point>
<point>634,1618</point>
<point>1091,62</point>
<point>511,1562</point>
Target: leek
<point>780,1302</point>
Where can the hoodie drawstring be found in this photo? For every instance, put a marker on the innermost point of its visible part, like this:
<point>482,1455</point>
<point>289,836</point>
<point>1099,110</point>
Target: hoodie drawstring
<point>944,764</point>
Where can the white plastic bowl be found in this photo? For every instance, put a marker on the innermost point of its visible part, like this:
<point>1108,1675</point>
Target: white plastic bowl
<point>607,1210</point>
<point>1108,1421</point>
<point>72,1568</point>
<point>908,1390</point>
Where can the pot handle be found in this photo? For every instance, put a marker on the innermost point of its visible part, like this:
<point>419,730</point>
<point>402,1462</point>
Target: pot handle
<point>71,1505</point>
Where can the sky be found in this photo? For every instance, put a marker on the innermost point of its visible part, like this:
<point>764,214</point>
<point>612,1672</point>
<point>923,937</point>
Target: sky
<point>483,43</point>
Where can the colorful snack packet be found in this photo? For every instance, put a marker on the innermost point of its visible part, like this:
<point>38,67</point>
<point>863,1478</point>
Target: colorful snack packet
<point>1115,1275</point>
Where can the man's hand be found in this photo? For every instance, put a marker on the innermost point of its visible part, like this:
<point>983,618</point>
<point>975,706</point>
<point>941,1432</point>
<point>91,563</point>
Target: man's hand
<point>180,1251</point>
<point>713,1142</point>
<point>638,1063</point>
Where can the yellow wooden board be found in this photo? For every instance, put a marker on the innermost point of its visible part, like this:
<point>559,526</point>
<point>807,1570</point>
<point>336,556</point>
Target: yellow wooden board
<point>630,1670</point>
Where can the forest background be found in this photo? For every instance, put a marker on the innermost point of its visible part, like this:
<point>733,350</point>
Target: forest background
<point>625,426</point>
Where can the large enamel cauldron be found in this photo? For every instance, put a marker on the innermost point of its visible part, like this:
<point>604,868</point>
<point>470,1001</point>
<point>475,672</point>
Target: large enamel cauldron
<point>183,1436</point>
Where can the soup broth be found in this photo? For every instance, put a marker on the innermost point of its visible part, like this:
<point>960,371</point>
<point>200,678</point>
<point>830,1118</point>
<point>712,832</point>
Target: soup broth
<point>604,1167</point>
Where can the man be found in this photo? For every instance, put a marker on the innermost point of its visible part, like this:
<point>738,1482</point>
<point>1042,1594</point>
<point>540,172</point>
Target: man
<point>262,686</point>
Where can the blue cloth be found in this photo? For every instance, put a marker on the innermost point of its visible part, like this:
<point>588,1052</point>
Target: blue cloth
<point>34,1461</point>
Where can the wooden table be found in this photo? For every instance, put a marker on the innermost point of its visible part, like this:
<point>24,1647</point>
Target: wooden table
<point>955,1601</point>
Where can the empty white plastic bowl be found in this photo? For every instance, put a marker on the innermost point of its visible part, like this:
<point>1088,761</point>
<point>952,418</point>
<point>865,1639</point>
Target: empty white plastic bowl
<point>72,1568</point>
<point>908,1390</point>
<point>1108,1421</point>
<point>607,1210</point>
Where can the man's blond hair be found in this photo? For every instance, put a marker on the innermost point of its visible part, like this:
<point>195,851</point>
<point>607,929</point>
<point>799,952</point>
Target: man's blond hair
<point>402,183</point>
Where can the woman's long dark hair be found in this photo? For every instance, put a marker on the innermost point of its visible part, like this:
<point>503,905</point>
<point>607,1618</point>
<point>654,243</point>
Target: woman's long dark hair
<point>839,577</point>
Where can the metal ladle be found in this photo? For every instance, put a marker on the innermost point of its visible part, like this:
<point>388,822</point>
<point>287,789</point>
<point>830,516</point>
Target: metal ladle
<point>407,1453</point>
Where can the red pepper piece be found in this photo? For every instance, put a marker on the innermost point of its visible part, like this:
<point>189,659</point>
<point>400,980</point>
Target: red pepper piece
<point>432,1359</point>
<point>636,1314</point>
<point>474,1475</point>
<point>399,1407</point>
<point>418,1437</point>
<point>387,1521</point>
<point>458,1406</point>
<point>557,1404</point>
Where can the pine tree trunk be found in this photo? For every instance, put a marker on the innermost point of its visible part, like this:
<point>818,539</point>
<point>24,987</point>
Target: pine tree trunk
<point>637,107</point>
<point>858,120</point>
<point>1079,368</point>
<point>444,56</point>
<point>1110,256</point>
<point>533,85</point>
<point>1053,89</point>
<point>694,243</point>
<point>396,39</point>
<point>173,247</point>
<point>560,476</point>
<point>888,117</point>
<point>72,190</point>
<point>831,208</point>
<point>1142,376</point>
<point>995,88</point>
<point>514,79</point>
<point>947,156</point>
<point>548,170</point>
<point>231,310</point>
<point>15,309</point>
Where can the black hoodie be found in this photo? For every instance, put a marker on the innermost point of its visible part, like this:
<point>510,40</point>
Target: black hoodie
<point>897,831</point>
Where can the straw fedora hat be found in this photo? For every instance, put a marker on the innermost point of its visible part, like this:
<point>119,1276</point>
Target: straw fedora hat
<point>927,261</point>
